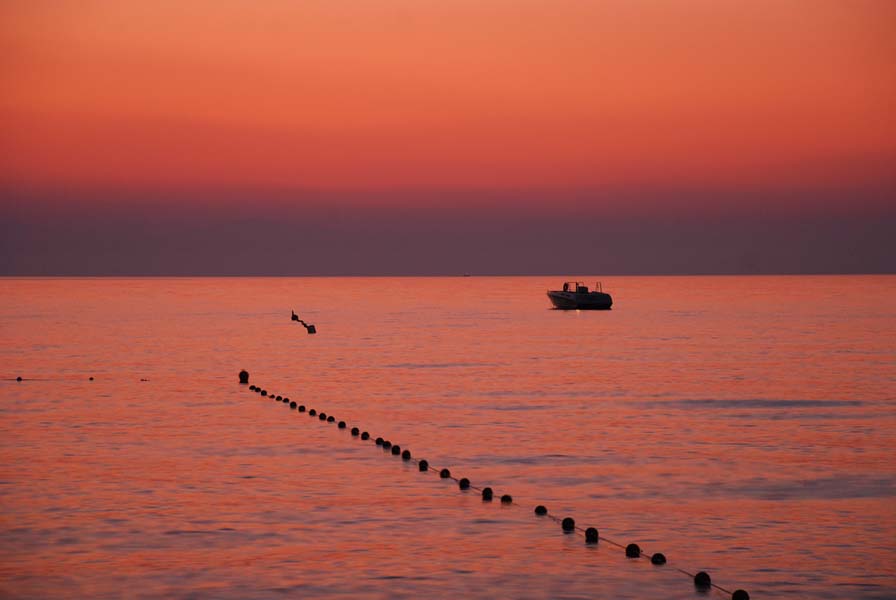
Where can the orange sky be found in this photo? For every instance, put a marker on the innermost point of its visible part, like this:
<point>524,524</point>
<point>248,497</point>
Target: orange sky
<point>460,94</point>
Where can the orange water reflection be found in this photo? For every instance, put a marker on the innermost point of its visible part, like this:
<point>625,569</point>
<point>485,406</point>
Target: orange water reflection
<point>744,426</point>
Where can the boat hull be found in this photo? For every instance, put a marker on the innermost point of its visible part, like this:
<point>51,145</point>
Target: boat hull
<point>575,301</point>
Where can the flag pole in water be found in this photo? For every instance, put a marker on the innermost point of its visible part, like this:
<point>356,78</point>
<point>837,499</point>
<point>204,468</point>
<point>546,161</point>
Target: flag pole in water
<point>309,328</point>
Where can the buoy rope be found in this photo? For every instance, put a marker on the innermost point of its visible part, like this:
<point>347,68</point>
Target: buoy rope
<point>736,595</point>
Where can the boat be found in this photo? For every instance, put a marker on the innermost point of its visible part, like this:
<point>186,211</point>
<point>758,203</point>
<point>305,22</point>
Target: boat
<point>576,296</point>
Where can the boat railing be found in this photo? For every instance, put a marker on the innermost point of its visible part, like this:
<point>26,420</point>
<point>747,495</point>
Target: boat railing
<point>579,287</point>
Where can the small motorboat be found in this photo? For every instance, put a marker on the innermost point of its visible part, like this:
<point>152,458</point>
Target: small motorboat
<point>576,296</point>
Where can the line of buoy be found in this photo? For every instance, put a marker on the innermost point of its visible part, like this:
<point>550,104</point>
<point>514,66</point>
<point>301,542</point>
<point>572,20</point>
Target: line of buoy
<point>702,580</point>
<point>311,329</point>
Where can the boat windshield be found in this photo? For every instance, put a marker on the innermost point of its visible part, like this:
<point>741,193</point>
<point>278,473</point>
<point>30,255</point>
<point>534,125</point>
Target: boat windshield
<point>575,286</point>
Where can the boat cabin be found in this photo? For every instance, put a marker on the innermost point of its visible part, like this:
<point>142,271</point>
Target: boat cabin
<point>577,287</point>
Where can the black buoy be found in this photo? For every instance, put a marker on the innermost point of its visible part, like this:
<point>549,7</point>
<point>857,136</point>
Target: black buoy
<point>279,398</point>
<point>444,473</point>
<point>322,416</point>
<point>286,400</point>
<point>257,389</point>
<point>293,405</point>
<point>387,444</point>
<point>396,450</point>
<point>379,441</point>
<point>301,408</point>
<point>312,412</point>
<point>405,455</point>
<point>591,535</point>
<point>355,431</point>
<point>264,392</point>
<point>341,425</point>
<point>506,499</point>
<point>658,558</point>
<point>633,551</point>
<point>423,464</point>
<point>740,595</point>
<point>464,483</point>
<point>365,436</point>
<point>702,580</point>
<point>541,510</point>
<point>244,376</point>
<point>487,494</point>
<point>90,378</point>
<point>19,378</point>
<point>251,387</point>
<point>568,524</point>
<point>331,419</point>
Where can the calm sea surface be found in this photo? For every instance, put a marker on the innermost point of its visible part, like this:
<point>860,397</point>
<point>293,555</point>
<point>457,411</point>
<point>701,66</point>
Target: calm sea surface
<point>744,426</point>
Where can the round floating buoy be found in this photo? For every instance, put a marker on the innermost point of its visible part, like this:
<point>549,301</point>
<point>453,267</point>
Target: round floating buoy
<point>286,400</point>
<point>702,580</point>
<point>331,419</point>
<point>387,444</point>
<point>251,387</point>
<point>464,483</point>
<point>293,405</point>
<point>541,510</point>
<point>568,524</point>
<point>487,494</point>
<point>396,450</point>
<point>444,473</point>
<point>264,392</point>
<point>312,412</point>
<point>591,535</point>
<point>244,376</point>
<point>740,595</point>
<point>406,455</point>
<point>633,551</point>
<point>257,389</point>
<point>379,441</point>
<point>90,378</point>
<point>658,558</point>
<point>341,425</point>
<point>423,465</point>
<point>506,499</point>
<point>301,408</point>
<point>365,436</point>
<point>355,431</point>
<point>322,416</point>
<point>279,398</point>
<point>19,378</point>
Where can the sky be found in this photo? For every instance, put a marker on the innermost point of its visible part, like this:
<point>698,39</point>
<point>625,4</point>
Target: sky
<point>339,137</point>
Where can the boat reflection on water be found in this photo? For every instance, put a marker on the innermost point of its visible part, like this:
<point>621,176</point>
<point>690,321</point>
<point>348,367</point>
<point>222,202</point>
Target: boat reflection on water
<point>576,296</point>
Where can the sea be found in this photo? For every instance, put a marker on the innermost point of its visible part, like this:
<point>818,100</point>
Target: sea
<point>744,427</point>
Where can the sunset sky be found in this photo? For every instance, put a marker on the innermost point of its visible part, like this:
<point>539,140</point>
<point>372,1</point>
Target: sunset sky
<point>416,137</point>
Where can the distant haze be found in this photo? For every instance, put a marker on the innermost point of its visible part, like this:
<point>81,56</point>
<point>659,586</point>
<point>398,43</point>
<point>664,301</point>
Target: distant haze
<point>403,137</point>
